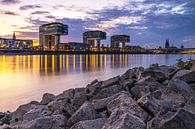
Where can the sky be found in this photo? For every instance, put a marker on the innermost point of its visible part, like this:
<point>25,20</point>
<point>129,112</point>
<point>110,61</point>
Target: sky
<point>148,22</point>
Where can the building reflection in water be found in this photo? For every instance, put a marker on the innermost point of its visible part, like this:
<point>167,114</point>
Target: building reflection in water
<point>27,77</point>
<point>56,64</point>
<point>62,64</point>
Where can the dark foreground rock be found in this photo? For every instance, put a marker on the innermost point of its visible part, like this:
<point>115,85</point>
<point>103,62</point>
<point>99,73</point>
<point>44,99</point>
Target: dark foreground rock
<point>159,97</point>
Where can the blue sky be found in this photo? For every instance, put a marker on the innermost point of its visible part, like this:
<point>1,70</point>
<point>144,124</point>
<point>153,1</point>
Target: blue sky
<point>148,22</point>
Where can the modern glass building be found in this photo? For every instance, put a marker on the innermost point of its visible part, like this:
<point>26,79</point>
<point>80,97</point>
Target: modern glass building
<point>116,40</point>
<point>93,38</point>
<point>49,34</point>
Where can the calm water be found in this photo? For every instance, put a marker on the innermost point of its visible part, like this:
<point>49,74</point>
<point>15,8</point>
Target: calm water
<point>26,78</point>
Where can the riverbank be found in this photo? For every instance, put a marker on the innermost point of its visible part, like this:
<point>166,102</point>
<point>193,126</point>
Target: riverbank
<point>158,97</point>
<point>36,52</point>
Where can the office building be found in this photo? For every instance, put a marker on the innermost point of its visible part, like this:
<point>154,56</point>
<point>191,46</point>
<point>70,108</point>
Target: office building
<point>49,35</point>
<point>116,40</point>
<point>93,38</point>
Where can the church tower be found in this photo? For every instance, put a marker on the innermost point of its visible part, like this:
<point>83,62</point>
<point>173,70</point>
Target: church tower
<point>167,44</point>
<point>14,36</point>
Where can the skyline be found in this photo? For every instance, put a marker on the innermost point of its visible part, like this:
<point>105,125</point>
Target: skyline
<point>148,22</point>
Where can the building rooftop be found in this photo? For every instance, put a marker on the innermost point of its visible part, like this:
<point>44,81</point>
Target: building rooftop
<point>53,23</point>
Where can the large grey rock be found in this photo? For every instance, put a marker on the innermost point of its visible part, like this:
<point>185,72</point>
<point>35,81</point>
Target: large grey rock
<point>80,99</point>
<point>47,122</point>
<point>85,112</point>
<point>180,73</point>
<point>186,75</point>
<point>125,102</point>
<point>47,98</point>
<point>172,116</point>
<point>190,105</point>
<point>39,111</point>
<point>156,74</point>
<point>178,91</point>
<point>90,124</point>
<point>6,119</point>
<point>137,71</point>
<point>59,121</point>
<point>123,120</point>
<point>71,94</point>
<point>5,126</point>
<point>18,114</point>
<point>62,107</point>
<point>78,91</point>
<point>2,115</point>
<point>147,81</point>
<point>150,104</point>
<point>193,86</point>
<point>94,87</point>
<point>109,91</point>
<point>129,74</point>
<point>110,82</point>
<point>127,84</point>
<point>145,86</point>
<point>182,119</point>
<point>68,94</point>
<point>170,70</point>
<point>101,104</point>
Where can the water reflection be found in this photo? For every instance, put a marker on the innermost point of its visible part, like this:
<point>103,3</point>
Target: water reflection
<point>25,78</point>
<point>62,64</point>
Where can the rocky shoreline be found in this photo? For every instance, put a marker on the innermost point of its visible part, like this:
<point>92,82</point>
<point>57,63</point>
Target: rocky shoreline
<point>159,97</point>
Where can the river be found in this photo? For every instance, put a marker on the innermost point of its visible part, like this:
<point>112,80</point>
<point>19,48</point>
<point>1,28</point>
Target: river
<point>24,78</point>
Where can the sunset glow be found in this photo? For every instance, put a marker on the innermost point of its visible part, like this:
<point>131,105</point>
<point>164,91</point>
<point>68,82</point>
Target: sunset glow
<point>148,23</point>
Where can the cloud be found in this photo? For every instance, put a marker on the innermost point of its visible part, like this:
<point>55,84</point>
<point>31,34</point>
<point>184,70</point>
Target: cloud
<point>9,13</point>
<point>146,21</point>
<point>36,22</point>
<point>8,2</point>
<point>32,35</point>
<point>51,17</point>
<point>40,12</point>
<point>27,7</point>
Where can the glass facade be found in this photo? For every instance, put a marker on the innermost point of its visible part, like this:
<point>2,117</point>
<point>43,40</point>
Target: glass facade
<point>116,41</point>
<point>93,38</point>
<point>95,34</point>
<point>49,34</point>
<point>54,28</point>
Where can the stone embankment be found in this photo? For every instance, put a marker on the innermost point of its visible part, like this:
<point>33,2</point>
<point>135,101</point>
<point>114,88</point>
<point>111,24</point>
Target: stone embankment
<point>159,97</point>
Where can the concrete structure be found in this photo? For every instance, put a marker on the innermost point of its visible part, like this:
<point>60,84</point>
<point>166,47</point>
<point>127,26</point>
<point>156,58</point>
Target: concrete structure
<point>117,39</point>
<point>93,38</point>
<point>14,43</point>
<point>49,35</point>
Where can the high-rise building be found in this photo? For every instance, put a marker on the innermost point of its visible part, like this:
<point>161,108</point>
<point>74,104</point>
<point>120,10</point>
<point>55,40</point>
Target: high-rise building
<point>49,34</point>
<point>93,38</point>
<point>116,40</point>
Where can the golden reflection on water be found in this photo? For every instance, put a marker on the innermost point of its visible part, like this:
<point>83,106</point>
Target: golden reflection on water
<point>55,64</point>
<point>27,77</point>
